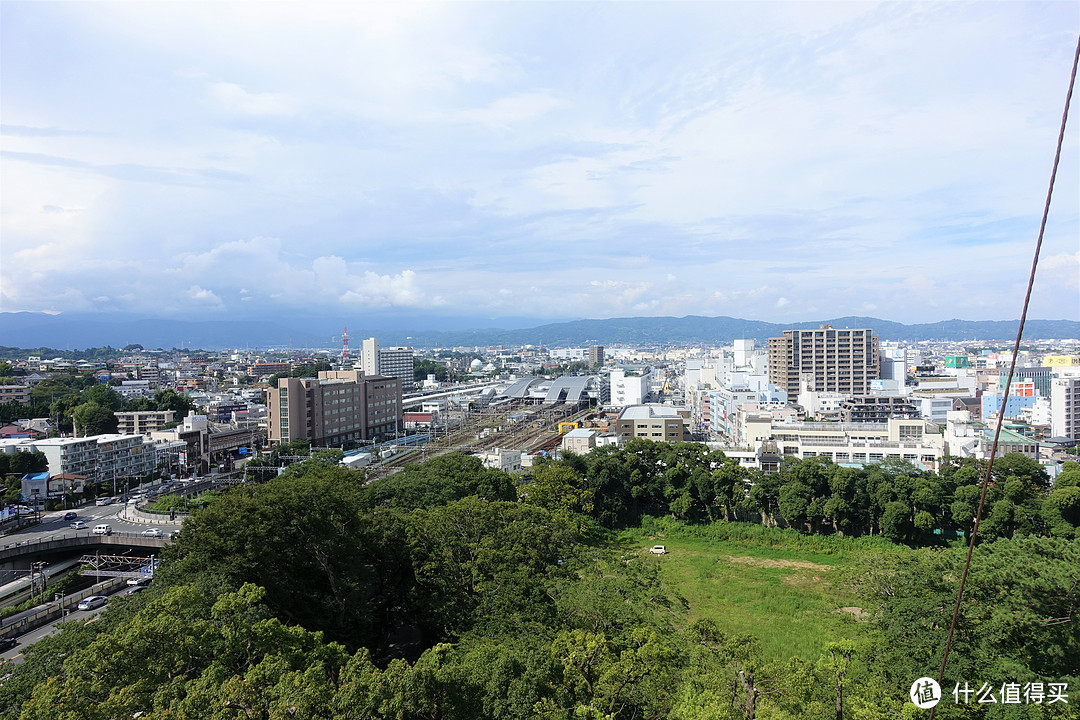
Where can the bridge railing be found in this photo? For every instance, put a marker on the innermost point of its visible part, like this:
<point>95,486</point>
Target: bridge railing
<point>79,538</point>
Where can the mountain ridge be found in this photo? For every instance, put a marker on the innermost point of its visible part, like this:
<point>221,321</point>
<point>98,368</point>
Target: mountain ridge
<point>34,330</point>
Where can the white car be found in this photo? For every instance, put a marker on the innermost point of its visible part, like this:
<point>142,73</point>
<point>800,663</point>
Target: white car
<point>138,582</point>
<point>78,525</point>
<point>152,532</point>
<point>658,550</point>
<point>94,601</point>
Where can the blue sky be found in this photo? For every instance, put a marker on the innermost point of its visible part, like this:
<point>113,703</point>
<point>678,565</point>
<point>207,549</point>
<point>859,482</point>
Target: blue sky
<point>776,161</point>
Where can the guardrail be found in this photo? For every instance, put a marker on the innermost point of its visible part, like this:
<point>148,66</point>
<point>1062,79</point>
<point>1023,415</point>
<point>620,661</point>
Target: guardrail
<point>44,613</point>
<point>76,539</point>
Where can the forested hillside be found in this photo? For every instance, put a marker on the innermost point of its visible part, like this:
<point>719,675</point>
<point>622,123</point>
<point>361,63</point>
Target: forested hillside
<point>453,591</point>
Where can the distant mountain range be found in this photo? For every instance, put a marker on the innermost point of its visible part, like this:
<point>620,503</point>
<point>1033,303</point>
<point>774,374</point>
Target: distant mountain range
<point>71,332</point>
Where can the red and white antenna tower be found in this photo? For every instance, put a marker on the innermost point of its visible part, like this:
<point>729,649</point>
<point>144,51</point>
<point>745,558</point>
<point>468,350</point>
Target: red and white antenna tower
<point>345,344</point>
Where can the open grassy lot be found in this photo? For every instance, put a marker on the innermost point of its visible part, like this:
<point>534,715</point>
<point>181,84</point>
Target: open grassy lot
<point>794,597</point>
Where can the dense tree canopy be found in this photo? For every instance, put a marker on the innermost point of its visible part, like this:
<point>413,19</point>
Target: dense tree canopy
<point>452,591</point>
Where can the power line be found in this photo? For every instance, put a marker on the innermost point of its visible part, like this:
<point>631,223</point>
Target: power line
<point>1012,369</point>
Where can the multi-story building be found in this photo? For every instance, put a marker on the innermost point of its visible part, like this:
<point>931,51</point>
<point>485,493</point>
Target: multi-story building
<point>509,461</point>
<point>123,456</point>
<point>77,456</point>
<point>841,360</point>
<point>965,437</point>
<point>369,357</point>
<point>580,441</point>
<point>149,373</point>
<point>1065,407</point>
<point>876,409</point>
<point>628,389</point>
<point>596,355</point>
<point>129,389</point>
<point>143,422</point>
<point>397,362</point>
<point>336,408</point>
<point>15,393</point>
<point>262,369</point>
<point>654,422</point>
<point>859,443</point>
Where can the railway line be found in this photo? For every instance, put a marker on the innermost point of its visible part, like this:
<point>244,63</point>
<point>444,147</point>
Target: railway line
<point>528,428</point>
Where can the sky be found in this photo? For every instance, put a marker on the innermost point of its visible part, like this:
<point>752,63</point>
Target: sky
<point>778,161</point>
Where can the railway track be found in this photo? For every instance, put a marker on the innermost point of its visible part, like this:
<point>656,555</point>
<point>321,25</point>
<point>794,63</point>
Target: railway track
<point>506,432</point>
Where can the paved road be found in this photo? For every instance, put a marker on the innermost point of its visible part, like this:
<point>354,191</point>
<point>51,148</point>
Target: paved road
<point>53,524</point>
<point>14,656</point>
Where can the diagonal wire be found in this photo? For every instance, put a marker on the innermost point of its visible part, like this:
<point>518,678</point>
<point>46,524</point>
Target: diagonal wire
<point>1012,369</point>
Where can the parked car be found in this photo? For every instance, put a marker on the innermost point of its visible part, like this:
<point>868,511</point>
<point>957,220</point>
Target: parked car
<point>71,515</point>
<point>152,532</point>
<point>94,601</point>
<point>658,550</point>
<point>78,525</point>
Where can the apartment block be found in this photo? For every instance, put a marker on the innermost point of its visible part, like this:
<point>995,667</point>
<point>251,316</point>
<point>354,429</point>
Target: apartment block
<point>596,355</point>
<point>840,360</point>
<point>143,422</point>
<point>877,409</point>
<point>336,408</point>
<point>397,362</point>
<point>77,456</point>
<point>15,393</point>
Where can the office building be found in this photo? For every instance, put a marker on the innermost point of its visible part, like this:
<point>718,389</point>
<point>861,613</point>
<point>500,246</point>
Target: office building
<point>840,360</point>
<point>336,408</point>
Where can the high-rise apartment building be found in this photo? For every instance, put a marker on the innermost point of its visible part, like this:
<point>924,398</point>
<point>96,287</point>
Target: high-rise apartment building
<point>397,362</point>
<point>596,355</point>
<point>335,408</point>
<point>843,360</point>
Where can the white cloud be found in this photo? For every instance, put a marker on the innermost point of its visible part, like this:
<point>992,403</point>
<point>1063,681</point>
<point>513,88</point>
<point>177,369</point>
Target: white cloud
<point>234,98</point>
<point>623,158</point>
<point>204,297</point>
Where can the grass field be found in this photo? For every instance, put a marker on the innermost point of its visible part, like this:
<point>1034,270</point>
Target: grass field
<point>790,598</point>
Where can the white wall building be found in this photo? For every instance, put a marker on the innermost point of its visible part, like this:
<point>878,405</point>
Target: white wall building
<point>1065,407</point>
<point>369,357</point>
<point>502,459</point>
<point>628,389</point>
<point>861,443</point>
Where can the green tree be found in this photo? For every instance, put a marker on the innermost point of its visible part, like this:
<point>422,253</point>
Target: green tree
<point>93,419</point>
<point>307,537</point>
<point>560,491</point>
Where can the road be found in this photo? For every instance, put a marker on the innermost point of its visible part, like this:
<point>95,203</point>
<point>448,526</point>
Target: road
<point>14,655</point>
<point>53,524</point>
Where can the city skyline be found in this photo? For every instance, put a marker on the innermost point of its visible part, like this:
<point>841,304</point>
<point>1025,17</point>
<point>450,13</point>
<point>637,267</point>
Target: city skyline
<point>776,161</point>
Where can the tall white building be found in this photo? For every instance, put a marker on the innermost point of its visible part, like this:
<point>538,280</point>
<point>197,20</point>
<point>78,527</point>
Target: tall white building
<point>1065,407</point>
<point>369,357</point>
